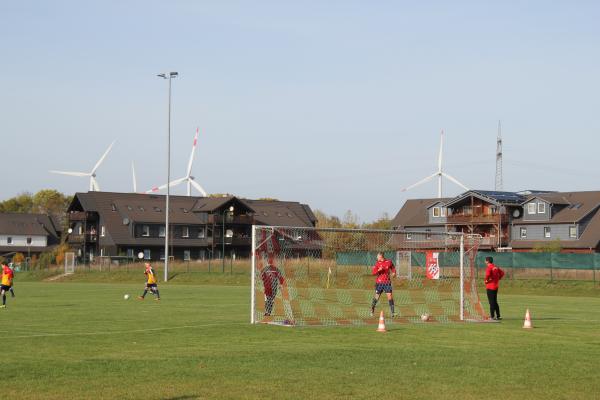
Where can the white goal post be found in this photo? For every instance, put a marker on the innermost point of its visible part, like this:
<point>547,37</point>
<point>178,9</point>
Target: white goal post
<point>318,276</point>
<point>69,262</point>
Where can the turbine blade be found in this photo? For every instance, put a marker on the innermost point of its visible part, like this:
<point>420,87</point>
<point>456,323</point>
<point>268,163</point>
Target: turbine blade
<point>450,178</point>
<point>134,180</point>
<point>198,187</point>
<point>441,151</point>
<point>189,168</point>
<point>70,173</point>
<point>102,158</point>
<point>171,184</point>
<point>422,181</point>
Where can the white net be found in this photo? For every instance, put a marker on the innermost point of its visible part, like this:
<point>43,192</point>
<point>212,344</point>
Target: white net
<point>310,276</point>
<point>69,263</point>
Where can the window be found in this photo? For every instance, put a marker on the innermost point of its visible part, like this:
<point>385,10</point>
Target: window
<point>467,210</point>
<point>102,252</point>
<point>161,231</point>
<point>436,212</point>
<point>428,234</point>
<point>29,240</point>
<point>408,236</point>
<point>146,230</point>
<point>162,254</point>
<point>531,208</point>
<point>102,230</point>
<point>201,233</point>
<point>547,232</point>
<point>202,254</point>
<point>79,229</point>
<point>541,208</point>
<point>147,254</point>
<point>443,211</point>
<point>523,233</point>
<point>9,240</point>
<point>573,232</point>
<point>130,253</point>
<point>185,231</point>
<point>186,255</point>
<point>113,207</point>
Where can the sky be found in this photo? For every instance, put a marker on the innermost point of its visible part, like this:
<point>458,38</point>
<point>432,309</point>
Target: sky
<point>336,104</point>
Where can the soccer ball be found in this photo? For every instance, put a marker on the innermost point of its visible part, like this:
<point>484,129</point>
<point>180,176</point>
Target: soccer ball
<point>126,297</point>
<point>425,317</point>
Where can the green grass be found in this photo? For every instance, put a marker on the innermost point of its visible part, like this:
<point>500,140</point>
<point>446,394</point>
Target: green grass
<point>78,340</point>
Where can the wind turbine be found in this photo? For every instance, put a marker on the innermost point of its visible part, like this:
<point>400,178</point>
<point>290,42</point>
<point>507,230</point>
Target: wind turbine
<point>133,176</point>
<point>187,178</point>
<point>439,174</point>
<point>94,187</point>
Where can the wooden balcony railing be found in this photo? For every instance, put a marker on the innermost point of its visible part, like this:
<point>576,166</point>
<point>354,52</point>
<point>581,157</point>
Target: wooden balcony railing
<point>460,219</point>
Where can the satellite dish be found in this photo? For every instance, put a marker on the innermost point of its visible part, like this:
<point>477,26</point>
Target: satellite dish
<point>70,230</point>
<point>125,221</point>
<point>516,213</point>
<point>141,255</point>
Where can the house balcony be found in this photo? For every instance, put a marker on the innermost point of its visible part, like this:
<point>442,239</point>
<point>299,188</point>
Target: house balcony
<point>82,216</point>
<point>217,219</point>
<point>477,219</point>
<point>87,238</point>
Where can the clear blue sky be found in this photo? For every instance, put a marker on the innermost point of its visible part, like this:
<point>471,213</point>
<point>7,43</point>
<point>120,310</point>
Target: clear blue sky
<point>337,104</point>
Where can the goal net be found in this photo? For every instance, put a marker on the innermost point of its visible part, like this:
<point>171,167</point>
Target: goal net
<point>311,276</point>
<point>69,263</point>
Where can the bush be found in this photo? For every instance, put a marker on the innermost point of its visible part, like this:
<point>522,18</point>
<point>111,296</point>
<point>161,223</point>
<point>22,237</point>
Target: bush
<point>18,258</point>
<point>46,259</point>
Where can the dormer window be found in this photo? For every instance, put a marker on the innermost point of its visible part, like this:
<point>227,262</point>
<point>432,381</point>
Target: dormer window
<point>541,208</point>
<point>531,208</point>
<point>436,212</point>
<point>157,209</point>
<point>573,232</point>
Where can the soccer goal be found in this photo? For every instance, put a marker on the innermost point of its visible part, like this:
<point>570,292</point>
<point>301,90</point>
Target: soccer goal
<point>69,263</point>
<point>311,276</point>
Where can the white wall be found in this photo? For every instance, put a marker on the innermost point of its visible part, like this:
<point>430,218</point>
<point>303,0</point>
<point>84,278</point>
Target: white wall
<point>21,240</point>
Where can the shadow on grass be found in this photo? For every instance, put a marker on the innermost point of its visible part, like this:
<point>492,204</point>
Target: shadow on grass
<point>187,397</point>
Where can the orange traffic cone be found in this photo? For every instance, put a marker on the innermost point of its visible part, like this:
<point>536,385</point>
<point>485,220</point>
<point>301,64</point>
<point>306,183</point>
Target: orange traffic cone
<point>527,324</point>
<point>381,327</point>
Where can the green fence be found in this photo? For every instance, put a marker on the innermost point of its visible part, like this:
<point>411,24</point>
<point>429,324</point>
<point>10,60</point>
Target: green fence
<point>552,266</point>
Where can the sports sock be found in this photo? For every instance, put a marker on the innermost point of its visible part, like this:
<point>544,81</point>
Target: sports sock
<point>4,299</point>
<point>391,302</point>
<point>373,303</point>
<point>157,294</point>
<point>145,292</point>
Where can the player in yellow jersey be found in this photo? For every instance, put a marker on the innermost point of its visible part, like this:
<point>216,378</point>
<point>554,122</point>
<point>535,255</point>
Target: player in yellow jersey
<point>5,283</point>
<point>151,283</point>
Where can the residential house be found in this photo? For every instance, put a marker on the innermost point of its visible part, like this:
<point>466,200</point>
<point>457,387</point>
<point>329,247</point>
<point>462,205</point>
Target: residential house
<point>29,234</point>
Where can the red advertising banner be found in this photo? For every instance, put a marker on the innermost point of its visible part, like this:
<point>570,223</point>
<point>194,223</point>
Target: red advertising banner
<point>432,265</point>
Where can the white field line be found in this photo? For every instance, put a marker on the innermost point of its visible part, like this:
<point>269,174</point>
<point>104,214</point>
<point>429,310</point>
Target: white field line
<point>36,335</point>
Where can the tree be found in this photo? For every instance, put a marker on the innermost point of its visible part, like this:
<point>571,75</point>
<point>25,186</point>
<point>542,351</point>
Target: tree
<point>22,203</point>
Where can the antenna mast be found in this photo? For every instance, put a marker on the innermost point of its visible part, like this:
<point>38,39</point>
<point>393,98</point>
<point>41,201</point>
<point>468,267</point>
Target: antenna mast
<point>499,184</point>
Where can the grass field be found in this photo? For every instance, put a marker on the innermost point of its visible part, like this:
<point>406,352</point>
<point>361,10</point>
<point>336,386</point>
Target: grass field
<point>81,340</point>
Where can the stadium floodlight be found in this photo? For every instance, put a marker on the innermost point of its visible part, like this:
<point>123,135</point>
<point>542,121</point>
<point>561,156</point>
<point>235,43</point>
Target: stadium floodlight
<point>188,178</point>
<point>439,174</point>
<point>94,187</point>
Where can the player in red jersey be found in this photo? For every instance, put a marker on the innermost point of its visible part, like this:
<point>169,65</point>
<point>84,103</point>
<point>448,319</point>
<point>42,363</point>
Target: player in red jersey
<point>493,274</point>
<point>272,278</point>
<point>383,268</point>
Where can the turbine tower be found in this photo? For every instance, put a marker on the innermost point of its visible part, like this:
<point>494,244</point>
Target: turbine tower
<point>498,185</point>
<point>188,178</point>
<point>134,178</point>
<point>439,174</point>
<point>94,187</point>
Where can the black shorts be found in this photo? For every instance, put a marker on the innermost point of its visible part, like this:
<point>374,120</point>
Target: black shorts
<point>383,287</point>
<point>151,285</point>
<point>4,288</point>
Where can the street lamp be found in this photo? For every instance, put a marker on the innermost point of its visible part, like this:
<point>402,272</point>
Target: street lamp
<point>230,209</point>
<point>169,76</point>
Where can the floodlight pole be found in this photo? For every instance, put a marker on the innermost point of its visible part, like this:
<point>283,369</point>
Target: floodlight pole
<point>169,76</point>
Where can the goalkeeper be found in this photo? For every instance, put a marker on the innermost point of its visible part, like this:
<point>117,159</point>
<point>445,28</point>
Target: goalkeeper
<point>271,277</point>
<point>382,269</point>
